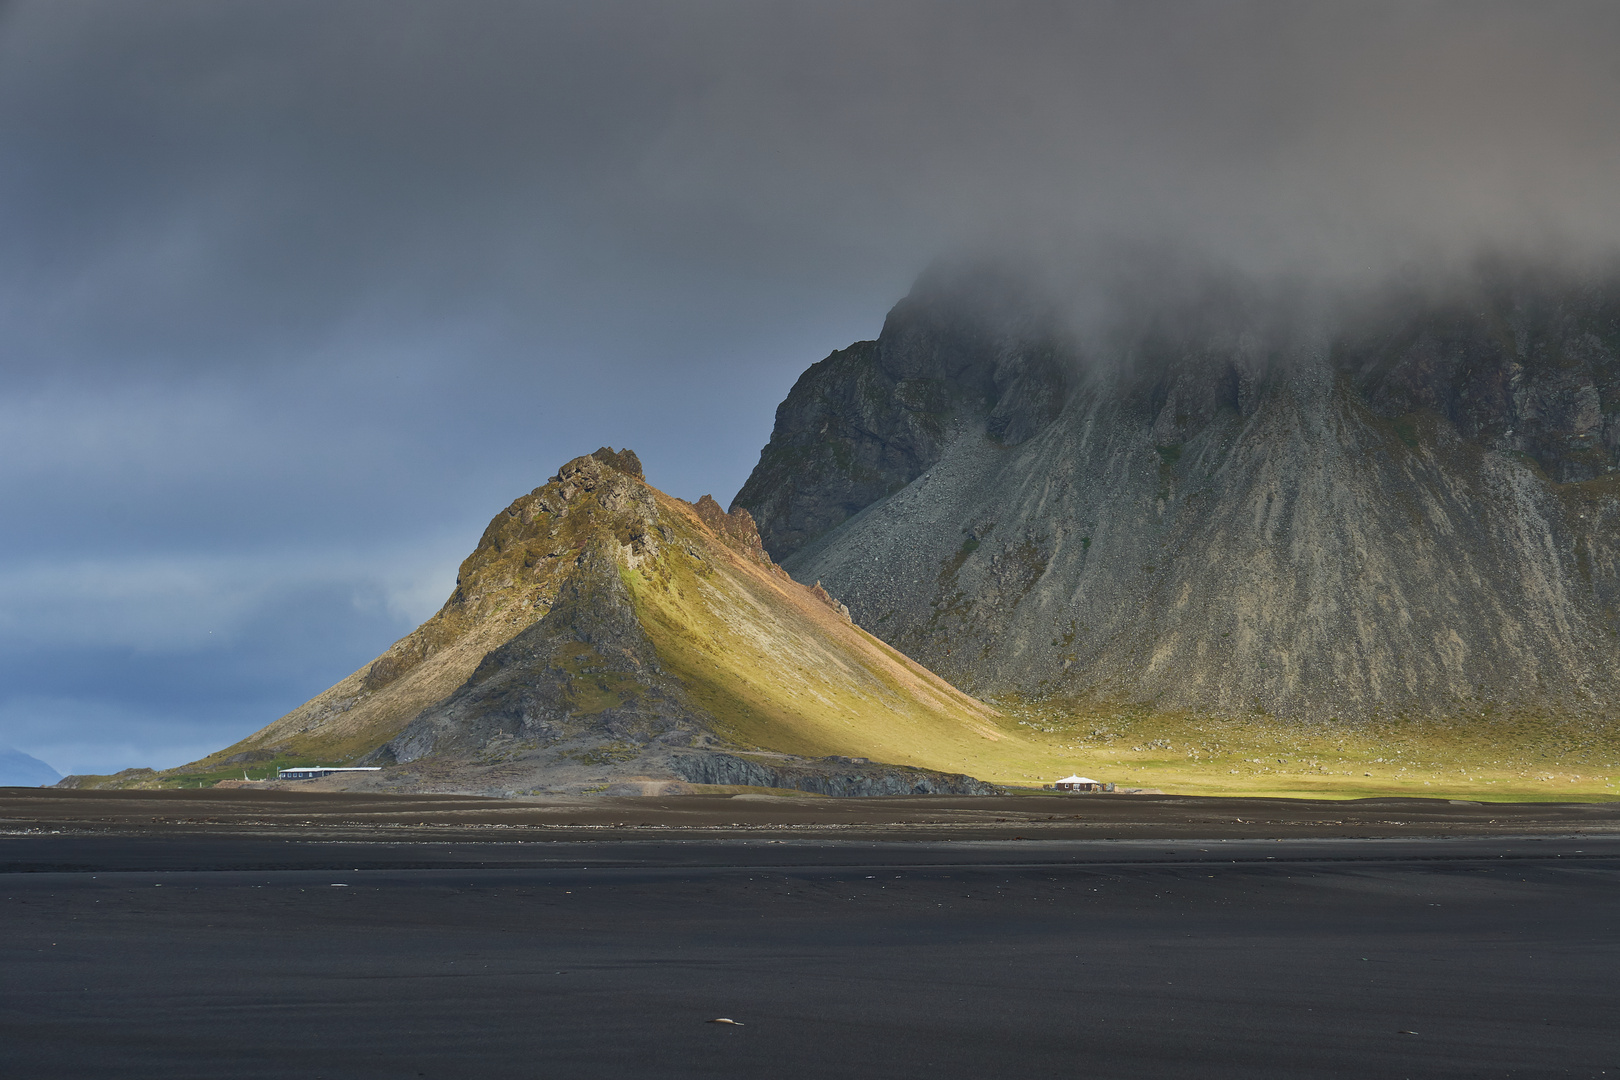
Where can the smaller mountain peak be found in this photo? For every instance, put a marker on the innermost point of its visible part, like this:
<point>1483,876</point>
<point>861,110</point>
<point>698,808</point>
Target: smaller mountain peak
<point>604,636</point>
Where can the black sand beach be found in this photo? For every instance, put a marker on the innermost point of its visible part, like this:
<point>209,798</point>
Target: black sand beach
<point>367,945</point>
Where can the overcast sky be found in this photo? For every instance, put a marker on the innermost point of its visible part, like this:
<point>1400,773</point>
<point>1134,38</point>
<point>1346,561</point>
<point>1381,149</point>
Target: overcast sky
<point>295,296</point>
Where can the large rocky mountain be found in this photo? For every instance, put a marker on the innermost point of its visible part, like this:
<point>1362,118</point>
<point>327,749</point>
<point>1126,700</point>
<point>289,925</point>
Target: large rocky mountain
<point>605,636</point>
<point>1402,505</point>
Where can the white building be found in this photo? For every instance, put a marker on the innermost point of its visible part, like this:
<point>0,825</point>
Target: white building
<point>310,772</point>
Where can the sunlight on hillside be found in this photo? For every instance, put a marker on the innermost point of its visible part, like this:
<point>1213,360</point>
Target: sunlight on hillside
<point>1507,759</point>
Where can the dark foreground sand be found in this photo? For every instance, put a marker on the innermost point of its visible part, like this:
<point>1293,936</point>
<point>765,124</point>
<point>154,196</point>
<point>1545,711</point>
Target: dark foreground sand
<point>278,812</point>
<point>853,945</point>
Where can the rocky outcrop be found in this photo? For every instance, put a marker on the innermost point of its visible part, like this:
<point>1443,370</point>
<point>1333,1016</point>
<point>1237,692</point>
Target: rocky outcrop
<point>123,778</point>
<point>1520,364</point>
<point>1410,508</point>
<point>836,776</point>
<point>827,598</point>
<point>586,669</point>
<point>954,356</point>
<point>737,528</point>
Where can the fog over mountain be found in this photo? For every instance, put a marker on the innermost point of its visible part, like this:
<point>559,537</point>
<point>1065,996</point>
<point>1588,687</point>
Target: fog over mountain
<point>293,294</point>
<point>1219,499</point>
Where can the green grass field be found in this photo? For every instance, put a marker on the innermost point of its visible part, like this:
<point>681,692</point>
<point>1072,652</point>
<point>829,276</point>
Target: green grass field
<point>193,777</point>
<point>1507,759</point>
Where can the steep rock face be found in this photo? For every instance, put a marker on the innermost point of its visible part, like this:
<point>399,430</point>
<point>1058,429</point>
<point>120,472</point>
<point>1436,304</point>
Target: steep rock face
<point>1413,510</point>
<point>586,670</point>
<point>828,776</point>
<point>956,355</point>
<point>605,635</point>
<point>1520,365</point>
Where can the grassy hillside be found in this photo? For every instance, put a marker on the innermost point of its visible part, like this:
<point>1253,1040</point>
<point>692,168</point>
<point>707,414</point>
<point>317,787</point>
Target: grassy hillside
<point>779,669</point>
<point>1491,758</point>
<point>756,660</point>
<point>502,588</point>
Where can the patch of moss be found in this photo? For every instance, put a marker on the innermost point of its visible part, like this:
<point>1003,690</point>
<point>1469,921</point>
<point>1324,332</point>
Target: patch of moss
<point>954,566</point>
<point>593,687</point>
<point>608,754</point>
<point>1169,454</point>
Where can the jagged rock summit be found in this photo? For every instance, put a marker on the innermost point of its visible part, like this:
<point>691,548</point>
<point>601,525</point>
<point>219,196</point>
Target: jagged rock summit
<point>1405,506</point>
<point>606,637</point>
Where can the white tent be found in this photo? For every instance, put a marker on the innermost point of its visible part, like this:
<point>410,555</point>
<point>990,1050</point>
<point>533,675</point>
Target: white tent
<point>1077,780</point>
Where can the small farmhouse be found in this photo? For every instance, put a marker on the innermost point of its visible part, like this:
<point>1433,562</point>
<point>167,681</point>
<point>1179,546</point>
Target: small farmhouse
<point>1078,783</point>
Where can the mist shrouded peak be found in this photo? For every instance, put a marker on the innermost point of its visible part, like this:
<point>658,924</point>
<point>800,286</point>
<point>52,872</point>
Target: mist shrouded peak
<point>1515,352</point>
<point>1305,499</point>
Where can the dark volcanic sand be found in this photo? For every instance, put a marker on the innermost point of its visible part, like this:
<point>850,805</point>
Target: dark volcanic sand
<point>290,813</point>
<point>136,948</point>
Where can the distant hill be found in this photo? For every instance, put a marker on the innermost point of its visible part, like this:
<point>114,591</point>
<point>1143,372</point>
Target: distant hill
<point>1406,506</point>
<point>605,636</point>
<point>18,769</point>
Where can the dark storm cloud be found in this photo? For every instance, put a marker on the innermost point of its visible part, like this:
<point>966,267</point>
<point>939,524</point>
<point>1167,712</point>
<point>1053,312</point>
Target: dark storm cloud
<point>236,182</point>
<point>295,295</point>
